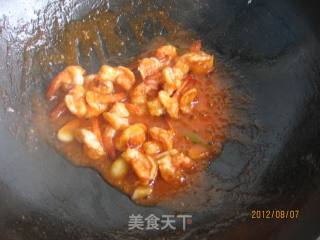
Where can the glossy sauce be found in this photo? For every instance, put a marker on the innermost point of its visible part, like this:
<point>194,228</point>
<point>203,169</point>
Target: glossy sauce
<point>210,118</point>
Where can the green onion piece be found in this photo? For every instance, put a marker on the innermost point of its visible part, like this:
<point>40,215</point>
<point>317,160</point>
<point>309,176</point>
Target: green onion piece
<point>195,138</point>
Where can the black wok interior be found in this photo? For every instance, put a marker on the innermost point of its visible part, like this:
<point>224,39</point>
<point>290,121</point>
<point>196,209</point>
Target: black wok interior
<point>272,52</point>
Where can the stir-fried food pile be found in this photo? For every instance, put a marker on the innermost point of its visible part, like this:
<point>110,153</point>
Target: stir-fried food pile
<point>147,127</point>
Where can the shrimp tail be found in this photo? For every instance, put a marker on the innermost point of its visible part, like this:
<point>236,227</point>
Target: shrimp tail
<point>60,109</point>
<point>55,85</point>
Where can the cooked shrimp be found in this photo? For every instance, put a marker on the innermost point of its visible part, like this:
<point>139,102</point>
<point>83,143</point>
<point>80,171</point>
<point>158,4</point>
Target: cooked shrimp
<point>75,101</point>
<point>107,73</point>
<point>117,117</point>
<point>136,109</point>
<point>139,94</point>
<point>151,147</point>
<point>132,136</point>
<point>144,166</point>
<point>181,161</point>
<point>149,66</point>
<point>156,108</point>
<point>172,165</point>
<point>106,87</point>
<point>182,64</point>
<point>93,84</point>
<point>94,101</point>
<point>116,121</point>
<point>197,62</point>
<point>187,100</point>
<point>108,141</point>
<point>66,133</point>
<point>166,51</point>
<point>100,101</point>
<point>153,82</point>
<point>166,168</point>
<point>126,78</point>
<point>170,104</point>
<point>188,80</point>
<point>69,77</point>
<point>135,136</point>
<point>96,128</point>
<point>120,109</point>
<point>200,62</point>
<point>123,76</point>
<point>92,145</point>
<point>163,136</point>
<point>172,79</point>
<point>91,112</point>
<point>89,79</point>
<point>139,97</point>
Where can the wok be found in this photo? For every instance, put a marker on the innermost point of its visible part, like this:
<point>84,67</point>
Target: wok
<point>270,51</point>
